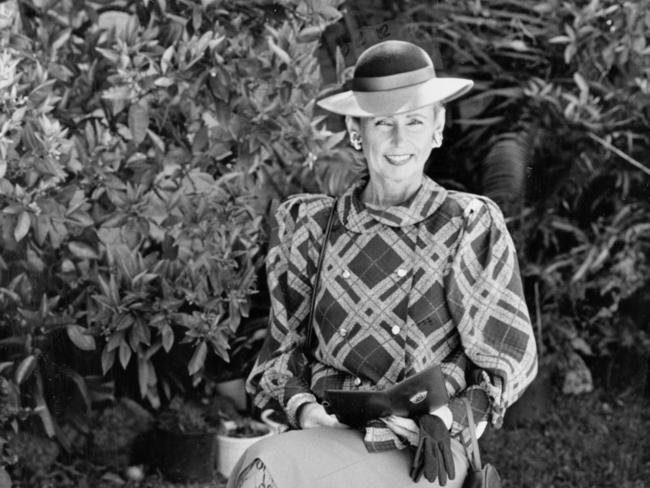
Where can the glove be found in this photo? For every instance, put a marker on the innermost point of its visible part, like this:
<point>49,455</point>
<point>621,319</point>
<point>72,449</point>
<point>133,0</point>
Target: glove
<point>433,456</point>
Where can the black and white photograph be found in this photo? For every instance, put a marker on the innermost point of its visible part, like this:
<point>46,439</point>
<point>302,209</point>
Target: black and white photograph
<point>324,243</point>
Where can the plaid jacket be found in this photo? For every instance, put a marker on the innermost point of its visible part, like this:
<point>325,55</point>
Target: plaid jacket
<point>433,280</point>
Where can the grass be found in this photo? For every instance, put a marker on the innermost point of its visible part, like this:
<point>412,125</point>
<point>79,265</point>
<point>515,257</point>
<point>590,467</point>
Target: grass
<point>594,440</point>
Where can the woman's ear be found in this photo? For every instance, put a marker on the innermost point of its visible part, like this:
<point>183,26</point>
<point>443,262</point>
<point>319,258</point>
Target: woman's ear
<point>352,124</point>
<point>437,139</point>
<point>439,117</point>
<point>354,135</point>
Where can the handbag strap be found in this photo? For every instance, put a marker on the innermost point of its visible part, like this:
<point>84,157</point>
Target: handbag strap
<point>319,266</point>
<point>475,454</point>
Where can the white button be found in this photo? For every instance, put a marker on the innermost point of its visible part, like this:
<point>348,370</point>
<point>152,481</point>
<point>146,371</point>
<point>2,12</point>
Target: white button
<point>343,332</point>
<point>395,329</point>
<point>357,381</point>
<point>401,272</point>
<point>345,274</point>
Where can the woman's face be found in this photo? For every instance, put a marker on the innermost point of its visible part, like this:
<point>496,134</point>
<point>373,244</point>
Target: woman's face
<point>396,147</point>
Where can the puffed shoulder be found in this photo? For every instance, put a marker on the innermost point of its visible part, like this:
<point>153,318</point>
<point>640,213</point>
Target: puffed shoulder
<point>473,207</point>
<point>311,206</point>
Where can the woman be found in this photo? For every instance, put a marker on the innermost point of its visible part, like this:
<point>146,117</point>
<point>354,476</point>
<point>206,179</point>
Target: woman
<point>412,275</point>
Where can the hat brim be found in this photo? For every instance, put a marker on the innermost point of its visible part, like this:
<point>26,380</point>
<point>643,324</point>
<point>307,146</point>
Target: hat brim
<point>399,100</point>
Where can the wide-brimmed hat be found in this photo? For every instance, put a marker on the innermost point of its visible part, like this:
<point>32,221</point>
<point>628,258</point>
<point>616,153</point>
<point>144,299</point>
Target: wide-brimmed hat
<point>392,77</point>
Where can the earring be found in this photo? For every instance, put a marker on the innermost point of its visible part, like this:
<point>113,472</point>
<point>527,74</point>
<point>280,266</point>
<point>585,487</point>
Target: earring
<point>355,141</point>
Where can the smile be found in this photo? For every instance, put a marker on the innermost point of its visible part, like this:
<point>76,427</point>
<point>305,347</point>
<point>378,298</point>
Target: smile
<point>397,159</point>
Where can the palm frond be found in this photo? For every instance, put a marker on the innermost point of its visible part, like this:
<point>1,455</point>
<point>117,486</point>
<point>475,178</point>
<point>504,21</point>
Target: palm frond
<point>506,166</point>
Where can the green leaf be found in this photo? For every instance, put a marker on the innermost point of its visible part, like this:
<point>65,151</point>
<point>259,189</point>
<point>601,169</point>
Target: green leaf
<point>152,350</point>
<point>112,56</point>
<point>81,218</point>
<point>82,250</point>
<point>164,82</point>
<point>41,408</point>
<point>166,58</point>
<point>108,358</point>
<point>81,338</point>
<point>22,227</point>
<point>115,340</point>
<point>116,93</point>
<point>25,368</point>
<point>35,261</point>
<point>198,359</point>
<point>143,376</point>
<point>167,337</point>
<point>43,228</point>
<point>116,220</point>
<point>138,122</point>
<point>124,258</point>
<point>125,354</point>
<point>81,385</point>
<point>5,479</point>
<point>310,33</point>
<point>328,11</point>
<point>278,51</point>
<point>157,141</point>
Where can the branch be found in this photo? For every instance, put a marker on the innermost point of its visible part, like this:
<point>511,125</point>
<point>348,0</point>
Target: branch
<point>620,153</point>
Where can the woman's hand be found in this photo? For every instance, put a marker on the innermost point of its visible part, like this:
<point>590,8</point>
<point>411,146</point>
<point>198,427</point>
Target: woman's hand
<point>314,415</point>
<point>433,456</point>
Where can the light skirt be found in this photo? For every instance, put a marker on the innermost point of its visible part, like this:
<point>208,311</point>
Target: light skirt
<point>335,458</point>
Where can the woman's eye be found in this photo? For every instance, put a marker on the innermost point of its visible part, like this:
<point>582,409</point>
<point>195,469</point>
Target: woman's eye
<point>415,122</point>
<point>383,122</point>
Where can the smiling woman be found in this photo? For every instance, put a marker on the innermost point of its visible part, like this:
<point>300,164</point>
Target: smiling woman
<point>396,276</point>
<point>396,148</point>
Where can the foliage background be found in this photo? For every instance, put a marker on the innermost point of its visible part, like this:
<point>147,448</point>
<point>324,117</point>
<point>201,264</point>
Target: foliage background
<point>144,146</point>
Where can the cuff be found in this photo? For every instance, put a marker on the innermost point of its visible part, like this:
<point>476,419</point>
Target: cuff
<point>293,406</point>
<point>444,413</point>
<point>480,402</point>
<point>480,428</point>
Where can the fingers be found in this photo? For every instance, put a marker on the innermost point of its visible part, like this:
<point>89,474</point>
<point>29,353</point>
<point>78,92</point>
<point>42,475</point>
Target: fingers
<point>434,461</point>
<point>448,460</point>
<point>314,415</point>
<point>417,464</point>
<point>442,472</point>
<point>334,423</point>
<point>430,461</point>
<point>403,427</point>
<point>416,472</point>
<point>419,453</point>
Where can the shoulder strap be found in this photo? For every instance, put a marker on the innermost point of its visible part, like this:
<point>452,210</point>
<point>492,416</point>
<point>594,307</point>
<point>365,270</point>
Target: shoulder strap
<point>475,454</point>
<point>319,265</point>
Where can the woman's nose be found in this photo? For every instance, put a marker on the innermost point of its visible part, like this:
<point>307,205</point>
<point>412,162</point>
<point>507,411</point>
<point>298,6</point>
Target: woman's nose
<point>398,134</point>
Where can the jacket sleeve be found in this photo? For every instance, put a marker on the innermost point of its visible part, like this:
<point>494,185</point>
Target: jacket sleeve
<point>281,375</point>
<point>486,300</point>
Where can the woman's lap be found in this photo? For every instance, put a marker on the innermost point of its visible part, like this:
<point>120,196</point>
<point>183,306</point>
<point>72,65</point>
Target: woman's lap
<point>332,458</point>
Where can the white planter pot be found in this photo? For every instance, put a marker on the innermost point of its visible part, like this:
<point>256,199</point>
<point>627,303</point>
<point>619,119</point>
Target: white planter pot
<point>230,449</point>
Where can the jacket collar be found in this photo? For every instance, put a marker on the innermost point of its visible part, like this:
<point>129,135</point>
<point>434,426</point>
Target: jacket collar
<point>360,217</point>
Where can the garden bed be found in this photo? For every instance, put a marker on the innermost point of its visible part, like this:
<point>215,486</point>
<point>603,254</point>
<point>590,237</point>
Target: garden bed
<point>593,440</point>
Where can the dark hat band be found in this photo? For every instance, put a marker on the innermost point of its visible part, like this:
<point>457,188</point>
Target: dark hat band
<point>391,82</point>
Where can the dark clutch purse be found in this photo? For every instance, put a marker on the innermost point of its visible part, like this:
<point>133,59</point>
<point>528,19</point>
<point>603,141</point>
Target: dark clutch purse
<point>479,475</point>
<point>413,396</point>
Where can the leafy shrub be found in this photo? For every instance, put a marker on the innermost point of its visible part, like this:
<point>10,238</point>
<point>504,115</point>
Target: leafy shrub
<point>114,430</point>
<point>141,150</point>
<point>184,416</point>
<point>36,454</point>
